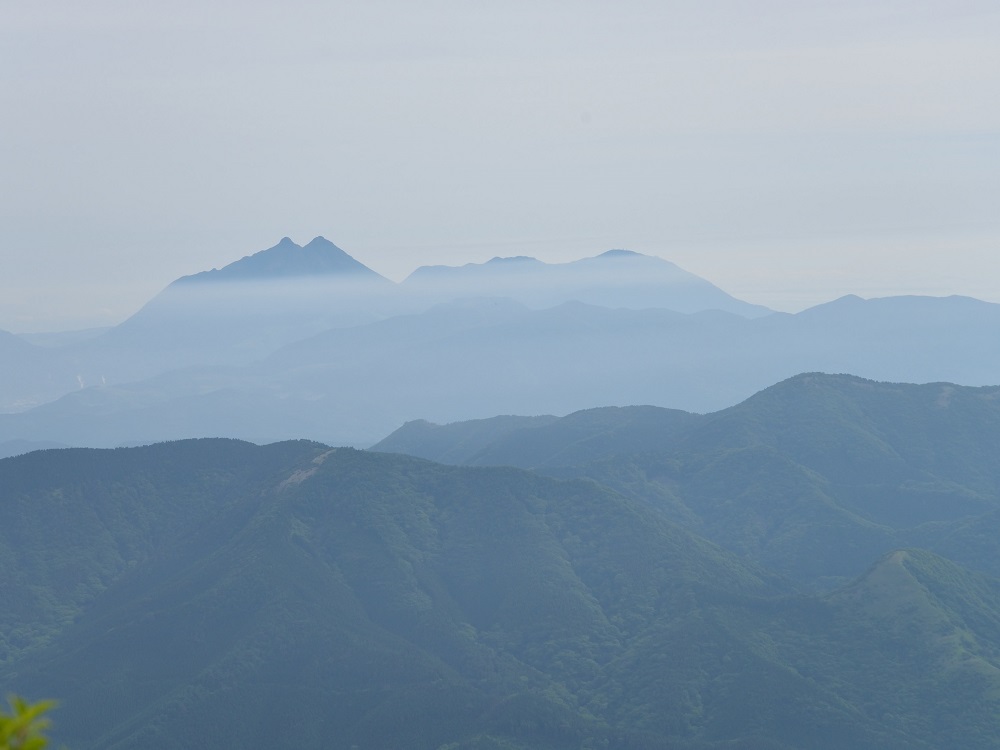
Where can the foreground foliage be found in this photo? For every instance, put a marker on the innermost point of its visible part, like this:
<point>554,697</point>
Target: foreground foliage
<point>24,727</point>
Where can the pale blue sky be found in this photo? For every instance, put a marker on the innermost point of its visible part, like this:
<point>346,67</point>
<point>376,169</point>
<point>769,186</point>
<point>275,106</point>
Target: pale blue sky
<point>790,152</point>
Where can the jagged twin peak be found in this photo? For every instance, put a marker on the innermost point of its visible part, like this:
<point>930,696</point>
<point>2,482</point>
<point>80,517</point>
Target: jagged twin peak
<point>287,260</point>
<point>256,304</point>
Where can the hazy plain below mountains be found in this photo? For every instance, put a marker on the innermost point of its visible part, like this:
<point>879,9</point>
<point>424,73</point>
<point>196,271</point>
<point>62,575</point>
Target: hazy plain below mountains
<point>306,342</point>
<point>813,569</point>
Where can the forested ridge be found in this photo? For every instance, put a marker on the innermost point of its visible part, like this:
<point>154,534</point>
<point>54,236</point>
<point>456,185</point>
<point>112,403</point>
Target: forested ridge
<point>810,569</point>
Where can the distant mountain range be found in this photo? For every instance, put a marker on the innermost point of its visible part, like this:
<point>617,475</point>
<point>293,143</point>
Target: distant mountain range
<point>305,342</point>
<point>617,278</point>
<point>252,307</point>
<point>813,568</point>
<point>470,360</point>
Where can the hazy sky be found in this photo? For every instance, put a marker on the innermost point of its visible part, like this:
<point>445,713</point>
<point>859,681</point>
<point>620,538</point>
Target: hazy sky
<point>789,151</point>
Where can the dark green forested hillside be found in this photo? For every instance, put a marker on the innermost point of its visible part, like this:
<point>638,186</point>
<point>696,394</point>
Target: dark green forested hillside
<point>815,477</point>
<point>538,442</point>
<point>462,442</point>
<point>72,522</point>
<point>377,600</point>
<point>219,594</point>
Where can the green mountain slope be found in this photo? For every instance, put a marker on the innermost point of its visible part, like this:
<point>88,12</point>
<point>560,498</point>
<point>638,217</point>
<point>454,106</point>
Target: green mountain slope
<point>300,596</point>
<point>460,442</point>
<point>913,597</point>
<point>74,522</point>
<point>819,475</point>
<point>816,476</point>
<point>384,599</point>
<point>538,442</point>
